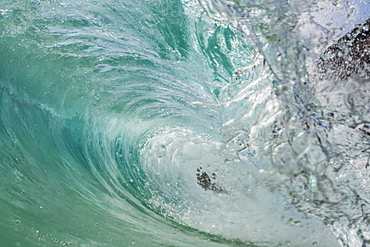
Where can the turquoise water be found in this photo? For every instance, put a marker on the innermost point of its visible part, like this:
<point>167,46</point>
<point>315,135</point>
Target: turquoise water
<point>112,111</point>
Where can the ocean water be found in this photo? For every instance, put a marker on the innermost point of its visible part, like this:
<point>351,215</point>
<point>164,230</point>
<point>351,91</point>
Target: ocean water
<point>180,123</point>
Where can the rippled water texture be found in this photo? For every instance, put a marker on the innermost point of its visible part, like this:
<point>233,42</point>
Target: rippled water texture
<point>184,123</point>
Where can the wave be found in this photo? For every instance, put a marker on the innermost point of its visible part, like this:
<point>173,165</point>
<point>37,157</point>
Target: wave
<point>178,123</point>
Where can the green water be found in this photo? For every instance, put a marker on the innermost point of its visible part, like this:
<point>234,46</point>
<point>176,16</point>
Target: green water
<point>111,110</point>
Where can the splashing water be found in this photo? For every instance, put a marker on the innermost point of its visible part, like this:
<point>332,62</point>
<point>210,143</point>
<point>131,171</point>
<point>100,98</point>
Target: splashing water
<point>184,123</point>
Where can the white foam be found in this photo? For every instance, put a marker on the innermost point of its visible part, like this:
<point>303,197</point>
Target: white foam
<point>247,211</point>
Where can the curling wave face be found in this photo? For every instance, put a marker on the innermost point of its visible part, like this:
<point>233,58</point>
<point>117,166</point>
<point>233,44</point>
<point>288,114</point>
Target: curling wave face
<point>175,123</point>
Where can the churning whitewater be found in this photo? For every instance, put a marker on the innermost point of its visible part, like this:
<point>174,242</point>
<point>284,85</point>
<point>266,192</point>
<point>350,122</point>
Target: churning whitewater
<point>184,123</point>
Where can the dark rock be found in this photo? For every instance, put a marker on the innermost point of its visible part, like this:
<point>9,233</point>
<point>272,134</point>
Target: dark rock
<point>206,182</point>
<point>349,57</point>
